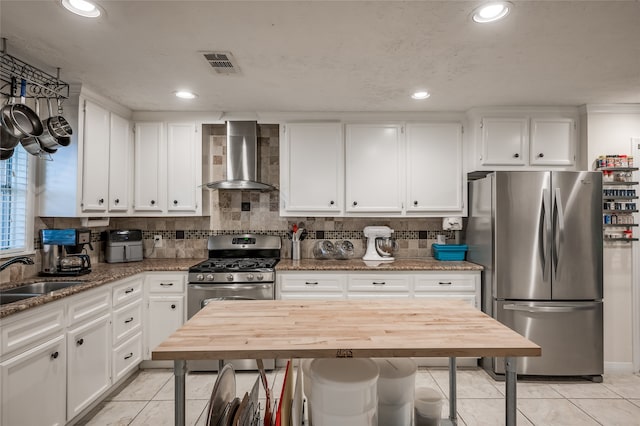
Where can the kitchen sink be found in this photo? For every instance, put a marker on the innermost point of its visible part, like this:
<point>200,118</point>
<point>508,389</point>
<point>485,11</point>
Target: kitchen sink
<point>10,298</point>
<point>40,287</point>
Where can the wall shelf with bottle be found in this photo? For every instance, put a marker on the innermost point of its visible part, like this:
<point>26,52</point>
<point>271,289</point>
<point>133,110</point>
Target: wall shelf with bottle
<point>618,197</point>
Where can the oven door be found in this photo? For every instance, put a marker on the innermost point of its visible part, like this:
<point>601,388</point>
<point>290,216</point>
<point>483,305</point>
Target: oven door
<point>201,295</point>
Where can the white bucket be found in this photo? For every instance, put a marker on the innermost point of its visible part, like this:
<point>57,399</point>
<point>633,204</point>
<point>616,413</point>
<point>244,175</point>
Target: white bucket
<point>369,418</point>
<point>343,387</point>
<point>395,414</point>
<point>428,407</point>
<point>397,380</point>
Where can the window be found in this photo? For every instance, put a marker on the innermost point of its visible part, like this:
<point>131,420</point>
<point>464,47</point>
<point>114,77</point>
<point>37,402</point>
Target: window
<point>16,226</point>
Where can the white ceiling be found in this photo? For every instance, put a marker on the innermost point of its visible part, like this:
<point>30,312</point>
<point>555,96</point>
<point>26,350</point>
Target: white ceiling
<point>336,55</point>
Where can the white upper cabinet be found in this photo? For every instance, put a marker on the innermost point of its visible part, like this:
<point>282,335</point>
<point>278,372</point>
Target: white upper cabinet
<point>95,176</point>
<point>505,141</point>
<point>183,161</point>
<point>312,169</point>
<point>552,141</point>
<point>168,169</point>
<point>525,139</point>
<point>150,168</point>
<point>372,169</point>
<point>374,153</point>
<point>120,156</point>
<point>92,176</point>
<point>435,181</point>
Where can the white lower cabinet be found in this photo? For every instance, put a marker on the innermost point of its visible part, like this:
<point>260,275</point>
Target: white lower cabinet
<point>33,389</point>
<point>315,285</point>
<point>166,315</point>
<point>89,369</point>
<point>165,307</point>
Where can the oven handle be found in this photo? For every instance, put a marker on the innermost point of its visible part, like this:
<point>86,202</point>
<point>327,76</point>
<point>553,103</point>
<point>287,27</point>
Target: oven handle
<point>205,302</point>
<point>235,286</point>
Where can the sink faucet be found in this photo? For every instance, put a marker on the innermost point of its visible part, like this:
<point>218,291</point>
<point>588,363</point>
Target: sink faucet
<point>20,259</point>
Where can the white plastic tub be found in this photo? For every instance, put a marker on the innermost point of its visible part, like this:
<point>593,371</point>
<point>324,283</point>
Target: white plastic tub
<point>428,407</point>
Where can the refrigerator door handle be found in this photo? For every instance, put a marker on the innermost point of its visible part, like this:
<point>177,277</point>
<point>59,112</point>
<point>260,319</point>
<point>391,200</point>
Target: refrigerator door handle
<point>557,239</point>
<point>546,234</point>
<point>549,309</point>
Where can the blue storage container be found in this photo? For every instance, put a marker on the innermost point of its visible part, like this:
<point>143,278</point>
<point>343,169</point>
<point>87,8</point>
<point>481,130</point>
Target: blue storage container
<point>449,251</point>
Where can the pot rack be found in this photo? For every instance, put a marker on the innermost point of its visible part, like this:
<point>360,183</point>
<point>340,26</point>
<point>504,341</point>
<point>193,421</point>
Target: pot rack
<point>40,84</point>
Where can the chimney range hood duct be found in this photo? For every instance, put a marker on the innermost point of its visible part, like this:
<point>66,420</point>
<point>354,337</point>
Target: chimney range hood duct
<point>242,159</point>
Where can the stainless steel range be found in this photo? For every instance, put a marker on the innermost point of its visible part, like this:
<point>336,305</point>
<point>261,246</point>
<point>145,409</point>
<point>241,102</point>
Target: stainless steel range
<point>239,267</point>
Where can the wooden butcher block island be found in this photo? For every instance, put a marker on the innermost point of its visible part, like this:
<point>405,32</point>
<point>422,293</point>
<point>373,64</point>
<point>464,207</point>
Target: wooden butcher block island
<point>344,328</point>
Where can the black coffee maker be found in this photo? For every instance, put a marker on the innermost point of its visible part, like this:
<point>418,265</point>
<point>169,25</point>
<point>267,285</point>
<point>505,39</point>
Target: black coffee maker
<point>62,252</point>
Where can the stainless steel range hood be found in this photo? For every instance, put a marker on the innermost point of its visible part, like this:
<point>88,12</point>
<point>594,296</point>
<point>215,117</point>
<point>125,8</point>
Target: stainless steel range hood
<point>242,159</point>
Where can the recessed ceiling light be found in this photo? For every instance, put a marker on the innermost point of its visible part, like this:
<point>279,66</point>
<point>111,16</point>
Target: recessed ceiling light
<point>185,94</point>
<point>82,7</point>
<point>491,12</point>
<point>420,95</point>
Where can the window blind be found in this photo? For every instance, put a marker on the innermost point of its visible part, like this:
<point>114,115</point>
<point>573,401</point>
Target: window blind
<point>13,202</point>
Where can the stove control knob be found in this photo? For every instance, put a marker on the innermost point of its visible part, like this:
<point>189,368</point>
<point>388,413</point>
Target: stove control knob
<point>199,277</point>
<point>260,277</point>
<point>209,277</point>
<point>229,277</point>
<point>250,277</point>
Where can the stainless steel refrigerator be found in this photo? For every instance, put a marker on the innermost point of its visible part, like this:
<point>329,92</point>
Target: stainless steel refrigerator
<point>539,237</point>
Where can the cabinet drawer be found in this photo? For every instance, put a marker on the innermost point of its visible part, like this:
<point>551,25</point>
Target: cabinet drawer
<point>165,283</point>
<point>312,282</point>
<point>127,356</point>
<point>378,283</point>
<point>29,328</point>
<point>306,295</point>
<point>127,321</point>
<point>95,302</point>
<point>445,283</point>
<point>127,291</point>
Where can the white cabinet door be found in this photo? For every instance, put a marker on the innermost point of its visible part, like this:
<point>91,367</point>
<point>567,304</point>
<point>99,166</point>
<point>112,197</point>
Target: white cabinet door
<point>95,174</point>
<point>89,367</point>
<point>434,167</point>
<point>33,385</point>
<point>505,141</point>
<point>373,168</point>
<point>183,159</point>
<point>166,315</point>
<point>552,141</point>
<point>120,155</point>
<point>312,169</point>
<point>150,169</point>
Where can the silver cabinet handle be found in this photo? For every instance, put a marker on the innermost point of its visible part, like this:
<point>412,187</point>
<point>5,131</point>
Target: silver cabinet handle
<point>311,283</point>
<point>549,309</point>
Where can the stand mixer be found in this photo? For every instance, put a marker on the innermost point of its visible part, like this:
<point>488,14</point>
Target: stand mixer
<point>380,245</point>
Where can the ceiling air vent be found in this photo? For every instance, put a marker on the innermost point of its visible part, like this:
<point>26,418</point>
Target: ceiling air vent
<point>222,62</point>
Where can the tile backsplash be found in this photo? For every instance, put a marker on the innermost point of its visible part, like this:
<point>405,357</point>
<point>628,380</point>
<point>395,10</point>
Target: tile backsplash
<point>233,212</point>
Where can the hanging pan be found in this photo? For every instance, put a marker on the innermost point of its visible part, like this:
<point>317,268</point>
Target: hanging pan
<point>48,141</point>
<point>9,138</point>
<point>58,126</point>
<point>22,120</point>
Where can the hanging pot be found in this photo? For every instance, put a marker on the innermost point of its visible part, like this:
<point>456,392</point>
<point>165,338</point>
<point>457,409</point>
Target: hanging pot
<point>48,141</point>
<point>5,154</point>
<point>20,119</point>
<point>59,127</point>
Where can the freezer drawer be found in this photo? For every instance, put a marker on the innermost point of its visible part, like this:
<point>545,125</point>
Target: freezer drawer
<point>569,333</point>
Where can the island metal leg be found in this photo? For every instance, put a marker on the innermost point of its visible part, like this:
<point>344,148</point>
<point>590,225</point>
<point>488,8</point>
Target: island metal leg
<point>511,379</point>
<point>453,417</point>
<point>179,371</point>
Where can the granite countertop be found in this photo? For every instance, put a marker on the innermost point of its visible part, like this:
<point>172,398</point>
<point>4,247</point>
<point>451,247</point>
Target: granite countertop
<point>415,264</point>
<point>101,273</point>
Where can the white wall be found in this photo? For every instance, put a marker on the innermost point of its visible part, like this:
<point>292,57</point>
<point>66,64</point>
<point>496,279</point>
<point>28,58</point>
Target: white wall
<point>609,131</point>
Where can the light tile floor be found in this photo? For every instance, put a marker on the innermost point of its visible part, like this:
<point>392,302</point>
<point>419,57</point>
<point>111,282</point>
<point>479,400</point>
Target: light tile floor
<point>147,399</point>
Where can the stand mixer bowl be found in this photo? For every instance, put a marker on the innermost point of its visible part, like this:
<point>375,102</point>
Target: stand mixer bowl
<point>386,246</point>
